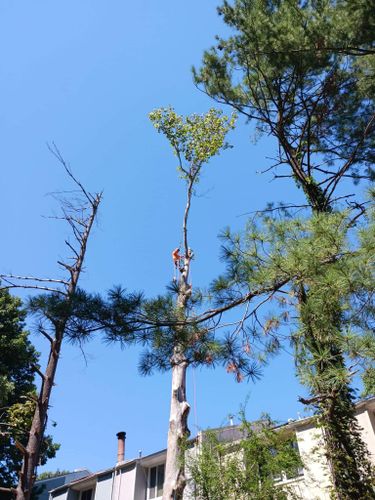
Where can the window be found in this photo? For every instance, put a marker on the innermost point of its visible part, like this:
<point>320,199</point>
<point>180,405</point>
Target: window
<point>292,473</point>
<point>86,495</point>
<point>156,481</point>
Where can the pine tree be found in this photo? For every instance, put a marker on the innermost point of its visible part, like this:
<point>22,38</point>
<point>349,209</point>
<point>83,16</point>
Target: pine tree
<point>325,305</point>
<point>303,72</point>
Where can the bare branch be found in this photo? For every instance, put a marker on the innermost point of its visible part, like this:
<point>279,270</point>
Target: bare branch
<point>57,154</point>
<point>32,287</point>
<point>20,447</point>
<point>37,370</point>
<point>273,209</point>
<point>32,278</point>
<point>42,331</point>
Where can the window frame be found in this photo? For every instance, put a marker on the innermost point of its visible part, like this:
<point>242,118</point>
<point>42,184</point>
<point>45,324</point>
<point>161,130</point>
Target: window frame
<point>157,468</point>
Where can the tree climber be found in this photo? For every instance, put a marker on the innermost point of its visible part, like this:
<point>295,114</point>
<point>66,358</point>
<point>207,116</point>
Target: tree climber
<point>176,261</point>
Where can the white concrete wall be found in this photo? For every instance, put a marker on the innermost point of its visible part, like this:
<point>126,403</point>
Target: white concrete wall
<point>315,484</point>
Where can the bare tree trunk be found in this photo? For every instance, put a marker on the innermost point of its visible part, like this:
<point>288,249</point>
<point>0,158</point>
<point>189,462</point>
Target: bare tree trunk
<point>175,481</point>
<point>32,451</point>
<point>178,432</point>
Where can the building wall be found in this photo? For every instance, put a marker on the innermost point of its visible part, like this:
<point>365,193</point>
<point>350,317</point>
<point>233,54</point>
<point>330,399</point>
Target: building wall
<point>124,484</point>
<point>140,489</point>
<point>366,420</point>
<point>130,481</point>
<point>104,487</point>
<point>314,484</point>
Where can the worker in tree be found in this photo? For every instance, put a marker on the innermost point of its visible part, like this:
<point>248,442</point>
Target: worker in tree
<point>176,256</point>
<point>176,261</point>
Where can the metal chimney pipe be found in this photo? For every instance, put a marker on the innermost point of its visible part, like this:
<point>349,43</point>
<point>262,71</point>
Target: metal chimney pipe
<point>121,446</point>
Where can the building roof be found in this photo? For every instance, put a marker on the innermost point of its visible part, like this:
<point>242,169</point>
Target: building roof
<point>62,480</point>
<point>226,434</point>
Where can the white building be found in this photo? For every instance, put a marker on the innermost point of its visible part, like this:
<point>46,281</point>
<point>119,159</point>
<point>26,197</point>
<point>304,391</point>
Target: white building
<point>142,478</point>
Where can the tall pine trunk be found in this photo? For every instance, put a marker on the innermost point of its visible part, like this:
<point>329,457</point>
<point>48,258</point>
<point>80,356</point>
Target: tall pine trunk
<point>347,454</point>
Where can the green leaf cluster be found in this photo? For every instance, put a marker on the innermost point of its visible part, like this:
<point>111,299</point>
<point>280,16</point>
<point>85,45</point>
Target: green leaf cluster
<point>246,469</point>
<point>195,139</point>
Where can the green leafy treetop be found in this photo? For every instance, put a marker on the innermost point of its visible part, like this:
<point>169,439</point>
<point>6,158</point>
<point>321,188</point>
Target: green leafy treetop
<point>195,139</point>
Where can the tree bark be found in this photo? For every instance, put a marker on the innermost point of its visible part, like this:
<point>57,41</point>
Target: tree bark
<point>345,451</point>
<point>178,432</point>
<point>31,458</point>
<point>175,480</point>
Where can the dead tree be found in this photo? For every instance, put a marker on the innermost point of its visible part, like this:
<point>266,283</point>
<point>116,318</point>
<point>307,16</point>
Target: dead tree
<point>55,308</point>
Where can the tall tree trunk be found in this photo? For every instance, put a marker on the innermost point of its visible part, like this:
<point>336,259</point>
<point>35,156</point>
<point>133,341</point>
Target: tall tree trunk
<point>195,140</point>
<point>178,432</point>
<point>36,434</point>
<point>346,453</point>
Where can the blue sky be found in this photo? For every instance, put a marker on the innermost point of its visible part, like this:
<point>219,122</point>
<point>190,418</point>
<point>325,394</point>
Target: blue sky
<point>85,75</point>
